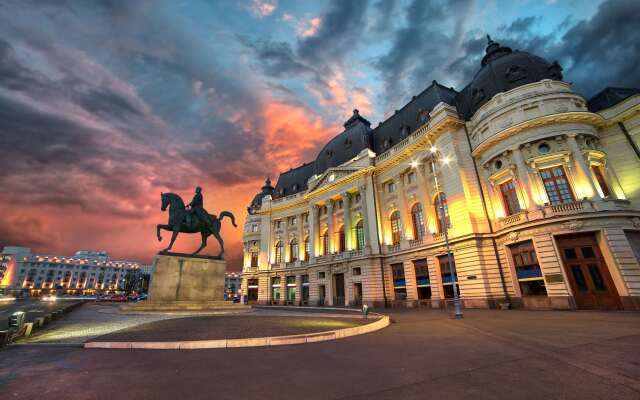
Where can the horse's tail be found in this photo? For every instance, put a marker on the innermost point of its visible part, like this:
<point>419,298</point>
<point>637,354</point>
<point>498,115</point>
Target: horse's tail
<point>228,214</point>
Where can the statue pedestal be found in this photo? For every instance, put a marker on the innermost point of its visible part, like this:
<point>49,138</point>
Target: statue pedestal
<point>187,278</point>
<point>182,282</point>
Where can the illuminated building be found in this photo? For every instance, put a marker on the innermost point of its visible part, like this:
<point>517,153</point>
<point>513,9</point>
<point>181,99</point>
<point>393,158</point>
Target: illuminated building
<point>232,284</point>
<point>84,272</point>
<point>541,198</point>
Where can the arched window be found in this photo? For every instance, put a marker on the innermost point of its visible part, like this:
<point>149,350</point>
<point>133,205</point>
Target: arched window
<point>343,240</point>
<point>442,211</point>
<point>360,235</point>
<point>278,258</point>
<point>395,227</point>
<point>294,250</point>
<point>325,243</point>
<point>418,221</point>
<point>307,248</point>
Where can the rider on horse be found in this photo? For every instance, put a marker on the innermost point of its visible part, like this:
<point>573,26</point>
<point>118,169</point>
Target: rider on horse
<point>197,208</point>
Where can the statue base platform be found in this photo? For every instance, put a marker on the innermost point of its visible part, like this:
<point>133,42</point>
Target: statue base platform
<point>186,306</point>
<point>183,282</point>
<point>181,277</point>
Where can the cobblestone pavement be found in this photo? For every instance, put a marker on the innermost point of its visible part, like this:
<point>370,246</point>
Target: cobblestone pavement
<point>423,355</point>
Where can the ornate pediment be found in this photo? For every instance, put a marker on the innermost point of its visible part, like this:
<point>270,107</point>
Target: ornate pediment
<point>330,176</point>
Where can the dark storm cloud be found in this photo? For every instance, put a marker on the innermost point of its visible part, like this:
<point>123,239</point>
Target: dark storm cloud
<point>341,30</point>
<point>601,51</point>
<point>277,59</point>
<point>422,48</point>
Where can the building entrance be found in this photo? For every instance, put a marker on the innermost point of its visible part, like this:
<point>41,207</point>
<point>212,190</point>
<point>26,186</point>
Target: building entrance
<point>587,272</point>
<point>357,294</point>
<point>338,290</point>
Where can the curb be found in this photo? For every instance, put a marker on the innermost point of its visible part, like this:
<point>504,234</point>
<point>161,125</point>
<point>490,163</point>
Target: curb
<point>247,342</point>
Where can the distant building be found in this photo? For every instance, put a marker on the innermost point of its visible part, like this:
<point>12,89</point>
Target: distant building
<point>536,187</point>
<point>84,272</point>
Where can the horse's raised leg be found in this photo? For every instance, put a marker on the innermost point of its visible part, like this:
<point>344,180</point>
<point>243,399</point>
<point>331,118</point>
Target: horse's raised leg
<point>162,226</point>
<point>174,235</point>
<point>204,235</point>
<point>216,233</point>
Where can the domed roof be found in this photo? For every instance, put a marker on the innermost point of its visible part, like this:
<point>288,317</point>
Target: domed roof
<point>355,137</point>
<point>503,70</point>
<point>267,189</point>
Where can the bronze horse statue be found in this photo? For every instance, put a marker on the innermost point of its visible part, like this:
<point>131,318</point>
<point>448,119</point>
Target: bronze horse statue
<point>178,222</point>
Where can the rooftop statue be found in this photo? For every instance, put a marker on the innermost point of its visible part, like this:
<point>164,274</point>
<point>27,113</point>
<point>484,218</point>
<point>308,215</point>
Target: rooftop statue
<point>192,218</point>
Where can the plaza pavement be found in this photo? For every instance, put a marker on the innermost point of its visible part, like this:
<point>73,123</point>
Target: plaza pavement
<point>423,355</point>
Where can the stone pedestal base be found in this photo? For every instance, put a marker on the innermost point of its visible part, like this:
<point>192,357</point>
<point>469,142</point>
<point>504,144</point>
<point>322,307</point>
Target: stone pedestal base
<point>187,278</point>
<point>182,282</point>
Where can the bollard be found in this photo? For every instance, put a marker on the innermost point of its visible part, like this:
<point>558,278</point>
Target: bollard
<point>39,322</point>
<point>47,318</point>
<point>16,321</point>
<point>4,338</point>
<point>28,327</point>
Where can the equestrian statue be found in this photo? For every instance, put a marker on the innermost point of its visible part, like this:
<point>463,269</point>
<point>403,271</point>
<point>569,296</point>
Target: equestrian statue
<point>192,218</point>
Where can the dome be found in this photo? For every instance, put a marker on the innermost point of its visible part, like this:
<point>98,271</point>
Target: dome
<point>502,70</point>
<point>267,189</point>
<point>345,146</point>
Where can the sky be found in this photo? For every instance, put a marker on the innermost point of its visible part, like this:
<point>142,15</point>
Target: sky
<point>106,104</point>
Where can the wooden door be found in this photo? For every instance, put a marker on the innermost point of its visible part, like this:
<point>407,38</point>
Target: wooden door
<point>339,290</point>
<point>588,274</point>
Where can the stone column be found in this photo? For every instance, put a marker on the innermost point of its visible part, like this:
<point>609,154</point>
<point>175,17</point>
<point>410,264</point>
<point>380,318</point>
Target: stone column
<point>346,214</point>
<point>300,238</point>
<point>298,289</point>
<point>523,176</point>
<point>330,226</point>
<point>581,164</point>
<point>285,241</point>
<point>328,287</point>
<point>313,231</point>
<point>410,280</point>
<point>369,219</point>
<point>403,208</point>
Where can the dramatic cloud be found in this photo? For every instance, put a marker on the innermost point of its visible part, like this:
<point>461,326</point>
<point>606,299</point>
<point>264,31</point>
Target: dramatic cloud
<point>104,104</point>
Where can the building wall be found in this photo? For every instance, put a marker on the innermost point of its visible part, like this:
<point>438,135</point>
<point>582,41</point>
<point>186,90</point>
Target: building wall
<point>510,139</point>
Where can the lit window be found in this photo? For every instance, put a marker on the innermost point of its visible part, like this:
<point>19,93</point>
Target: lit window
<point>342,240</point>
<point>422,279</point>
<point>294,250</point>
<point>510,198</point>
<point>418,221</point>
<point>278,255</point>
<point>360,235</point>
<point>325,243</point>
<point>307,248</point>
<point>556,186</point>
<point>447,277</point>
<point>528,270</point>
<point>395,227</point>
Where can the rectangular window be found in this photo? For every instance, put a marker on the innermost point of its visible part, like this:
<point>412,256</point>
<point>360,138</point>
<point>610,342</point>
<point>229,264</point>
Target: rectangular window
<point>447,276</point>
<point>357,198</point>
<point>599,175</point>
<point>305,218</point>
<point>357,271</point>
<point>293,221</point>
<point>321,275</point>
<point>510,198</point>
<point>556,185</point>
<point>528,270</point>
<point>422,279</point>
<point>278,224</point>
<point>411,178</point>
<point>399,282</point>
<point>391,187</point>
<point>254,259</point>
<point>291,289</point>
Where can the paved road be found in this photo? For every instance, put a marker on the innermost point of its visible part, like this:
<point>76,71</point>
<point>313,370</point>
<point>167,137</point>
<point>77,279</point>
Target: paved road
<point>33,307</point>
<point>423,355</point>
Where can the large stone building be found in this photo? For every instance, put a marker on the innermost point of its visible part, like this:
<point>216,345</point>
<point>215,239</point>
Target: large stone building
<point>86,272</point>
<point>537,187</point>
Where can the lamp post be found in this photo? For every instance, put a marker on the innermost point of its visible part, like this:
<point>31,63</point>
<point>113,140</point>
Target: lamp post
<point>445,228</point>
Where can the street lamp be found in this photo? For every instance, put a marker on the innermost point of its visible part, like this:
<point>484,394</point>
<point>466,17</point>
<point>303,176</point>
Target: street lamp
<point>445,228</point>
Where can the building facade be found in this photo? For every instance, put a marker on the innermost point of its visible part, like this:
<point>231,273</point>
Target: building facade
<point>86,272</point>
<point>536,187</point>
